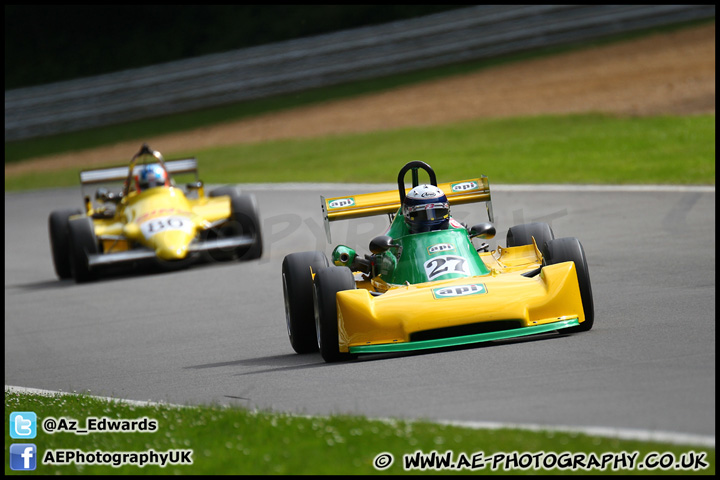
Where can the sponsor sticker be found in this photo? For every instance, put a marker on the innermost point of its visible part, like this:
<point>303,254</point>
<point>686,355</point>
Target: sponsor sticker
<point>342,202</point>
<point>459,290</point>
<point>464,186</point>
<point>162,212</point>
<point>440,247</point>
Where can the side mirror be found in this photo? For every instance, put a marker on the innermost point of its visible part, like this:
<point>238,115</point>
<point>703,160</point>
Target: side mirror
<point>381,244</point>
<point>484,230</point>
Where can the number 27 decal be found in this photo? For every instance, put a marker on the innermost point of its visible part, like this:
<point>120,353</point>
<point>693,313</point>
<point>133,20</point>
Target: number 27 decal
<point>446,264</point>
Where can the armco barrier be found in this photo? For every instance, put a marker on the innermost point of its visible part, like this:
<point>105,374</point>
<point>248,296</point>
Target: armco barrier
<point>473,33</point>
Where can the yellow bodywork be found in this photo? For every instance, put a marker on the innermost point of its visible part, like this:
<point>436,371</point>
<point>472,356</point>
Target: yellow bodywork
<point>161,218</point>
<point>156,220</point>
<point>505,294</point>
<point>436,292</point>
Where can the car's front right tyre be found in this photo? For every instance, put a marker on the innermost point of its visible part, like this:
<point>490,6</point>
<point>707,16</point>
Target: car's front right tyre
<point>328,282</point>
<point>60,240</point>
<point>297,278</point>
<point>83,243</point>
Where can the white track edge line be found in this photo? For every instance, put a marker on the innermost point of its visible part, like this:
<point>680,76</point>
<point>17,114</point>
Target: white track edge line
<point>606,432</point>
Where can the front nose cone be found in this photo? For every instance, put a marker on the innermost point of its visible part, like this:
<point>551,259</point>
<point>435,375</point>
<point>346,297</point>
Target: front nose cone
<point>171,252</point>
<point>172,245</point>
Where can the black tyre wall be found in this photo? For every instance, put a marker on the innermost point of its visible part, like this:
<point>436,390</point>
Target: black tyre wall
<point>246,213</point>
<point>244,219</point>
<point>297,279</point>
<point>569,249</point>
<point>522,234</point>
<point>60,241</point>
<point>328,282</point>
<point>82,243</point>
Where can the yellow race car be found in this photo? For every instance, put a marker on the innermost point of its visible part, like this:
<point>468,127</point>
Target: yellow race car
<point>425,284</point>
<point>149,219</point>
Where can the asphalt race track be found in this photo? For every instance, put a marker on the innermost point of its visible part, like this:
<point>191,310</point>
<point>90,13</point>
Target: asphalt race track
<point>215,334</point>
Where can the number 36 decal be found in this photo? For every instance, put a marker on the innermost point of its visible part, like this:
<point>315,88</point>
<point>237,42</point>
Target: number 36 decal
<point>446,264</point>
<point>166,224</point>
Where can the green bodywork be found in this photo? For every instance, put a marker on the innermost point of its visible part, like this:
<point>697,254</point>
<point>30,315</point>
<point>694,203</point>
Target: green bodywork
<point>422,257</point>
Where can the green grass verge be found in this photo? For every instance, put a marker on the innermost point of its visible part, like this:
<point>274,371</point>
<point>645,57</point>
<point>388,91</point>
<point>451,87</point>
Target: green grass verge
<point>238,441</point>
<point>593,149</point>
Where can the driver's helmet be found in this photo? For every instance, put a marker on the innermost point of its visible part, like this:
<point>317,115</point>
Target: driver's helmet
<point>426,208</point>
<point>149,176</point>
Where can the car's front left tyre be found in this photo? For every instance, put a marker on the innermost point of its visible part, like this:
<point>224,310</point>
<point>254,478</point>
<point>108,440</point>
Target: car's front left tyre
<point>523,234</point>
<point>569,249</point>
<point>246,214</point>
<point>244,220</point>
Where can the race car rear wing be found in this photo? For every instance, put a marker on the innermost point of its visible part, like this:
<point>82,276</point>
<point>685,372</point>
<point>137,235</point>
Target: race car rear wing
<point>111,175</point>
<point>388,202</point>
<point>116,174</point>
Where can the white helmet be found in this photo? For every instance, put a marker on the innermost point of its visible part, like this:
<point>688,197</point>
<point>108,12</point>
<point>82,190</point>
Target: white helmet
<point>426,208</point>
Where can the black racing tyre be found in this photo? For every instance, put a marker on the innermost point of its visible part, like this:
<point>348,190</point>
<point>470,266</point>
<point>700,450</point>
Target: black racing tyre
<point>229,190</point>
<point>60,240</point>
<point>245,212</point>
<point>328,282</point>
<point>297,269</point>
<point>83,242</point>
<point>244,219</point>
<point>229,229</point>
<point>522,234</point>
<point>569,249</point>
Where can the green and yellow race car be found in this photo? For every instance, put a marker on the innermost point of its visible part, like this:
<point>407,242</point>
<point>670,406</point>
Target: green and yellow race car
<point>149,218</point>
<point>425,284</point>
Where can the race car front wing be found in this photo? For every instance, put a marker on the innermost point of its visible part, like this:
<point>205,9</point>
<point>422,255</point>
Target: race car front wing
<point>100,259</point>
<point>465,339</point>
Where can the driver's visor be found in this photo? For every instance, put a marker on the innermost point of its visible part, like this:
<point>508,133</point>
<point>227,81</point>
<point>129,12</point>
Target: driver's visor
<point>428,212</point>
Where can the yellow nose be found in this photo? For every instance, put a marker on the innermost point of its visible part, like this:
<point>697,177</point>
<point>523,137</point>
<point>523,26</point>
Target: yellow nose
<point>171,252</point>
<point>172,245</point>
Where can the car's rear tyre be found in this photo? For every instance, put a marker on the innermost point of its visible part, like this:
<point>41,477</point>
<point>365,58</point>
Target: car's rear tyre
<point>244,219</point>
<point>522,234</point>
<point>328,282</point>
<point>297,270</point>
<point>569,249</point>
<point>83,242</point>
<point>60,241</point>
